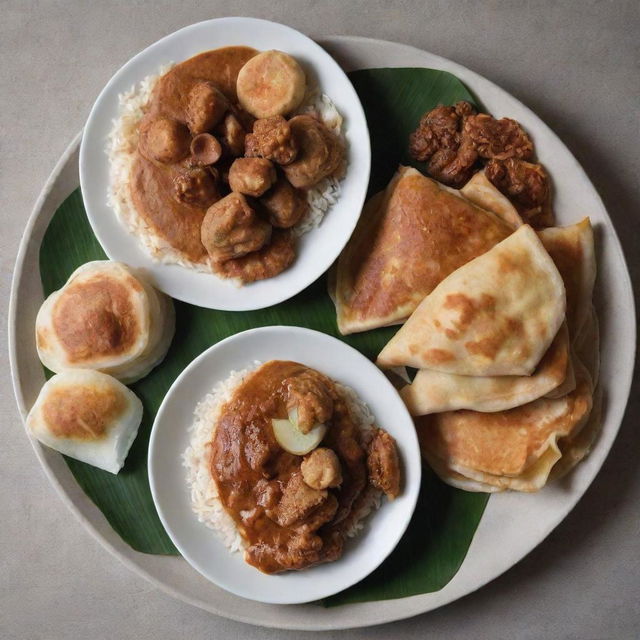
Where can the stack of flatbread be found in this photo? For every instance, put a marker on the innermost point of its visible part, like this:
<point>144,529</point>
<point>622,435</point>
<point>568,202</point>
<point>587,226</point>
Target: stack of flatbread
<point>504,336</point>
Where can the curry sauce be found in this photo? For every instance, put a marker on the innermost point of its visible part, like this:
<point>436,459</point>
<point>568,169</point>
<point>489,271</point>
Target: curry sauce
<point>285,523</point>
<point>151,182</point>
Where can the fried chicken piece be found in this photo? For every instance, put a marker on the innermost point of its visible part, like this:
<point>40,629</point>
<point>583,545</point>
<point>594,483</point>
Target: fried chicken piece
<point>321,469</point>
<point>206,106</point>
<point>302,551</point>
<point>320,152</point>
<point>297,502</point>
<point>231,134</point>
<point>196,186</point>
<point>285,204</point>
<point>232,229</point>
<point>438,129</point>
<point>383,464</point>
<point>527,184</point>
<point>453,167</point>
<point>267,262</point>
<point>309,395</point>
<point>464,109</point>
<point>251,176</point>
<point>267,493</point>
<point>499,139</point>
<point>438,141</point>
<point>257,449</point>
<point>272,139</point>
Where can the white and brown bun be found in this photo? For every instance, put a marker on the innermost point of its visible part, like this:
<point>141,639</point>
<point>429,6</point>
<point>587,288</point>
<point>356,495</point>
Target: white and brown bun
<point>87,415</point>
<point>106,317</point>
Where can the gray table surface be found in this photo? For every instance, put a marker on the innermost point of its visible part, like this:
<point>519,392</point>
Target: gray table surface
<point>576,63</point>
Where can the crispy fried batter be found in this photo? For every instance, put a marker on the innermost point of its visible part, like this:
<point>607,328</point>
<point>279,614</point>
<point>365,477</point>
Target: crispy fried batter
<point>231,229</point>
<point>309,395</point>
<point>297,502</point>
<point>251,176</point>
<point>269,261</point>
<point>272,139</point>
<point>438,141</point>
<point>196,186</point>
<point>383,464</point>
<point>321,469</point>
<point>499,139</point>
<point>527,184</point>
<point>285,204</point>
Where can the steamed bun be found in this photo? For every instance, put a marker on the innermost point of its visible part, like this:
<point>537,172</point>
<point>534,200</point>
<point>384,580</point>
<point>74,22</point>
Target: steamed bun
<point>108,318</point>
<point>87,415</point>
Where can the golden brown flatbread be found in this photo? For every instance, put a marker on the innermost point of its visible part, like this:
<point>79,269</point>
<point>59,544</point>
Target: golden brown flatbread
<point>494,316</point>
<point>406,242</point>
<point>513,449</point>
<point>434,391</point>
<point>482,192</point>
<point>572,250</point>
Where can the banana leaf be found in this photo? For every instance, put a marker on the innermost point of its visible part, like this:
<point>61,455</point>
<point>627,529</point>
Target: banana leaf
<point>440,533</point>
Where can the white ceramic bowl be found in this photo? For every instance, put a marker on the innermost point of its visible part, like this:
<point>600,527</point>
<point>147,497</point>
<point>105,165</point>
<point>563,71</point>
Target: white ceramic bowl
<point>316,250</point>
<point>199,545</point>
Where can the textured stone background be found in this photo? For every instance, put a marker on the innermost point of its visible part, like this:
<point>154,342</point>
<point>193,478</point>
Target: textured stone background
<point>576,63</point>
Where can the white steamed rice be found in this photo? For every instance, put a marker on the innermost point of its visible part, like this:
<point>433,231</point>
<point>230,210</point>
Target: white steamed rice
<point>122,142</point>
<point>205,500</point>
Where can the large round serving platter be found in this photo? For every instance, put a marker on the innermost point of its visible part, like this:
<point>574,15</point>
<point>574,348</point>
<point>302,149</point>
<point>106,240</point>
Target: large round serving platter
<point>512,525</point>
<point>317,249</point>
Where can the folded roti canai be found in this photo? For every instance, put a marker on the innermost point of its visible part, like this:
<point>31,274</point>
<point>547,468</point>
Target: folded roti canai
<point>482,192</point>
<point>433,391</point>
<point>407,241</point>
<point>572,250</point>
<point>496,315</point>
<point>513,449</point>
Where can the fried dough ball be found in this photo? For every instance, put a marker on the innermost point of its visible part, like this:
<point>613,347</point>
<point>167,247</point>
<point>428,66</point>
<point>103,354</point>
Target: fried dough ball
<point>310,397</point>
<point>251,176</point>
<point>163,140</point>
<point>271,139</point>
<point>231,135</point>
<point>205,149</point>
<point>285,204</point>
<point>196,186</point>
<point>527,184</point>
<point>319,152</point>
<point>438,141</point>
<point>206,105</point>
<point>383,464</point>
<point>268,262</point>
<point>499,139</point>
<point>271,83</point>
<point>232,229</point>
<point>321,469</point>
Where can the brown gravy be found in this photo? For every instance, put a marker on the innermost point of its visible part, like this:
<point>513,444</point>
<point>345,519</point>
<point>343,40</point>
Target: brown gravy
<point>152,183</point>
<point>251,471</point>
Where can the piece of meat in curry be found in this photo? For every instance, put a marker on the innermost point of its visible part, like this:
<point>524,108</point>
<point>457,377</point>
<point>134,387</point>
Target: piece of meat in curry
<point>293,511</point>
<point>196,146</point>
<point>455,141</point>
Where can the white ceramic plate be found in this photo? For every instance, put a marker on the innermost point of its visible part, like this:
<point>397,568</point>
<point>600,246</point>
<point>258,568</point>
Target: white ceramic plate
<point>316,249</point>
<point>170,437</point>
<point>512,524</point>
